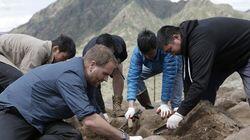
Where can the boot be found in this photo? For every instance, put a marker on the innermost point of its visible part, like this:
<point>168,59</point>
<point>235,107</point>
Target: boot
<point>117,110</point>
<point>144,100</point>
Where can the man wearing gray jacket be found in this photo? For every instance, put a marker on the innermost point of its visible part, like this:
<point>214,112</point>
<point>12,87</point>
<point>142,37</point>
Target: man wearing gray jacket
<point>19,53</point>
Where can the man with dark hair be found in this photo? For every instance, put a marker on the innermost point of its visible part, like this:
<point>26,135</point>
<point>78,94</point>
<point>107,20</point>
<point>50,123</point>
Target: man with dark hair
<point>19,53</point>
<point>213,49</point>
<point>34,106</point>
<point>118,47</point>
<point>147,61</point>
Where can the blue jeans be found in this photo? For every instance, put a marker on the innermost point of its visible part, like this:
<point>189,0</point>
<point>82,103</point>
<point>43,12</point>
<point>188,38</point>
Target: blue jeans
<point>178,84</point>
<point>245,76</point>
<point>218,77</point>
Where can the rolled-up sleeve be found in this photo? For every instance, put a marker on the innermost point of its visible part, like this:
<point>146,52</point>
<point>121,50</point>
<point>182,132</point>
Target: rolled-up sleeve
<point>72,89</point>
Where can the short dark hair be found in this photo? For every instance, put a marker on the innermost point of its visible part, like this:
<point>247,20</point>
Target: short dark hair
<point>106,40</point>
<point>66,44</point>
<point>165,35</point>
<point>146,41</point>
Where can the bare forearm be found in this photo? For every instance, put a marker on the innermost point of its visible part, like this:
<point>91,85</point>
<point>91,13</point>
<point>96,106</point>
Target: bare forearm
<point>118,82</point>
<point>100,126</point>
<point>118,86</point>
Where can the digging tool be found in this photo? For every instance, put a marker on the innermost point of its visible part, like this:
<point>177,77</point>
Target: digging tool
<point>159,130</point>
<point>130,121</point>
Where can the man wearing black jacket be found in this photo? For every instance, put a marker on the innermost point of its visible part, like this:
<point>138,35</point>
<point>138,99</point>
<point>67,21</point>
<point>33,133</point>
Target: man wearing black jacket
<point>213,49</point>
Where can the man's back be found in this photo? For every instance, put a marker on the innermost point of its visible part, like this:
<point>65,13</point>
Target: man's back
<point>120,50</point>
<point>228,37</point>
<point>50,92</point>
<point>16,48</point>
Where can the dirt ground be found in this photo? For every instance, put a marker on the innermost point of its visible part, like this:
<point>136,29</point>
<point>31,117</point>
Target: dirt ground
<point>204,122</point>
<point>229,116</point>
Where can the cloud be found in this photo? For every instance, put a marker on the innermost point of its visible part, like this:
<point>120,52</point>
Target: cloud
<point>11,22</point>
<point>241,5</point>
<point>16,12</point>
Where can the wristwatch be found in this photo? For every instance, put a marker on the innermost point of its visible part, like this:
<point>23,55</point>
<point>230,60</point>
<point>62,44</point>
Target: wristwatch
<point>125,136</point>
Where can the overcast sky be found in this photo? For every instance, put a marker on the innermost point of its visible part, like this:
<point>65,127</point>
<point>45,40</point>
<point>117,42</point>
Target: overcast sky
<point>16,12</point>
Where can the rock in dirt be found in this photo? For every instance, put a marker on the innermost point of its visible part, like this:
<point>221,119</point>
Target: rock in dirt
<point>154,138</point>
<point>206,122</point>
<point>243,134</point>
<point>241,112</point>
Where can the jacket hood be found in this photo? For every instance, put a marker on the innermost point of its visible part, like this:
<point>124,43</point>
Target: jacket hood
<point>186,28</point>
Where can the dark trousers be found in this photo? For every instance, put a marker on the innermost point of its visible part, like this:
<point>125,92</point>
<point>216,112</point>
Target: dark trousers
<point>217,78</point>
<point>14,127</point>
<point>8,75</point>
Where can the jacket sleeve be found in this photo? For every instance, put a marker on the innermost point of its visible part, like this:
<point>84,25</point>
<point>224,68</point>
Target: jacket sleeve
<point>134,73</point>
<point>202,55</point>
<point>71,88</point>
<point>170,68</point>
<point>33,58</point>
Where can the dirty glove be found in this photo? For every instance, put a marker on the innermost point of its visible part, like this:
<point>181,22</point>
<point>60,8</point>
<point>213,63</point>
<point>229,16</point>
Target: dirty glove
<point>130,113</point>
<point>135,138</point>
<point>106,117</point>
<point>173,121</point>
<point>164,109</point>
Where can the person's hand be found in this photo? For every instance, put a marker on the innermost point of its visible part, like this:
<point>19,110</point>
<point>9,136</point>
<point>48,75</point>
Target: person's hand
<point>106,117</point>
<point>135,138</point>
<point>130,113</point>
<point>164,110</point>
<point>174,120</point>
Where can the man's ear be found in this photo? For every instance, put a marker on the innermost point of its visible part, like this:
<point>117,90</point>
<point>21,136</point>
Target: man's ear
<point>55,48</point>
<point>177,36</point>
<point>92,65</point>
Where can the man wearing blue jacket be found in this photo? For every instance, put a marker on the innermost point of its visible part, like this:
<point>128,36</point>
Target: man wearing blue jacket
<point>147,61</point>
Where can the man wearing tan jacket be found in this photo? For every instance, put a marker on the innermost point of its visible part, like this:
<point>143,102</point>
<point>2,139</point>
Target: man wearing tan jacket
<point>19,53</point>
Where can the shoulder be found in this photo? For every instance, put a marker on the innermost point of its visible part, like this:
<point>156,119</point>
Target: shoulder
<point>119,42</point>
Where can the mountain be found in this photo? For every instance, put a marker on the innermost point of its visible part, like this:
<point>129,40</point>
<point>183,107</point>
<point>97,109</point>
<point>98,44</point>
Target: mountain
<point>1,33</point>
<point>76,18</point>
<point>200,9</point>
<point>83,19</point>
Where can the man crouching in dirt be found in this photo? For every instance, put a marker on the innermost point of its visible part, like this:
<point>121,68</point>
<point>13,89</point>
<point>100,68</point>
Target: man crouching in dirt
<point>118,47</point>
<point>213,49</point>
<point>147,61</point>
<point>33,106</point>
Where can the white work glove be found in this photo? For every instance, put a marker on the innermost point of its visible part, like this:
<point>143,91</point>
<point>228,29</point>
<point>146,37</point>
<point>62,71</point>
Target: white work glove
<point>174,120</point>
<point>130,113</point>
<point>175,109</point>
<point>106,117</point>
<point>164,110</point>
<point>135,138</point>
